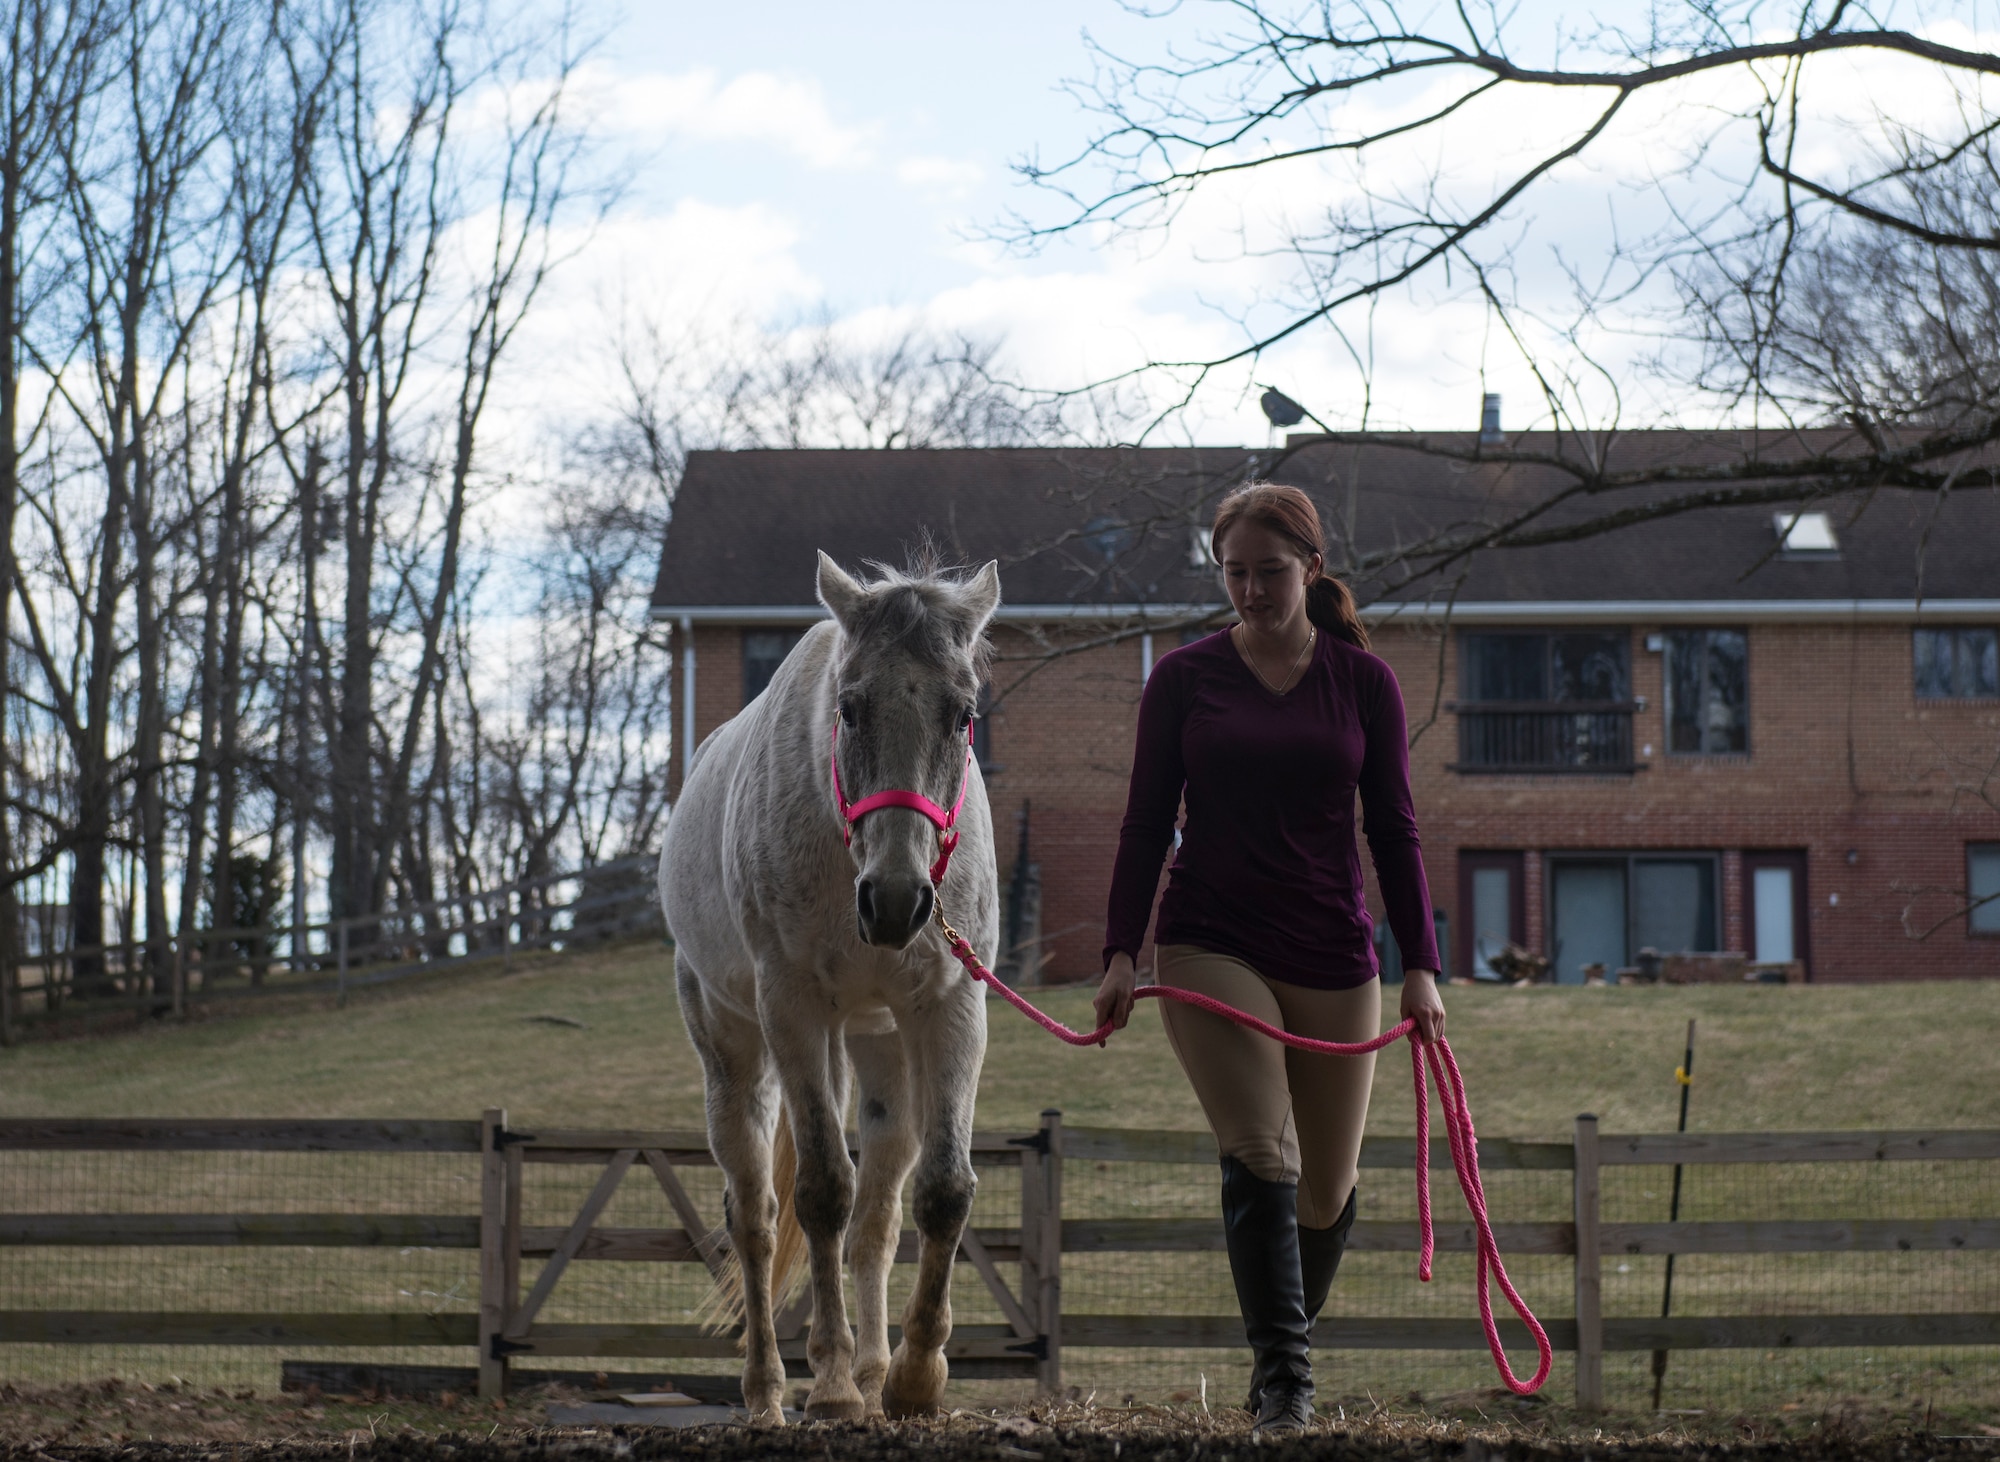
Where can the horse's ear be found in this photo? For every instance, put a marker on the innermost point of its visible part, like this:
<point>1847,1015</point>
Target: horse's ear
<point>980,597</point>
<point>839,591</point>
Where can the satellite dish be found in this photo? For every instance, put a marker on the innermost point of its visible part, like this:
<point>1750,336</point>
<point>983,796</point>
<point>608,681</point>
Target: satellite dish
<point>1280,409</point>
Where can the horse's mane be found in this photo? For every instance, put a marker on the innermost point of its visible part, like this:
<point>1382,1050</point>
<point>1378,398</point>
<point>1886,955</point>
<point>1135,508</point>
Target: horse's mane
<point>919,605</point>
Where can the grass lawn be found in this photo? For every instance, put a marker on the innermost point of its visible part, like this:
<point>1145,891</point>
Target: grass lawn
<point>1767,1057</point>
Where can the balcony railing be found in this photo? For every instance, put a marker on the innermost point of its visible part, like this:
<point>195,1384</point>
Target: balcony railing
<point>1545,736</point>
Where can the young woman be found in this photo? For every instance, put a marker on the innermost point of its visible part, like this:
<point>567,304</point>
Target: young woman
<point>1267,731</point>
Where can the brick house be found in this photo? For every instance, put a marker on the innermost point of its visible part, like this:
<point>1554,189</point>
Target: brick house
<point>1739,730</point>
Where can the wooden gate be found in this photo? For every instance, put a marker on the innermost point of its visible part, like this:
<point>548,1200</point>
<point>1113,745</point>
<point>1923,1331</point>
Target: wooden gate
<point>1027,1344</point>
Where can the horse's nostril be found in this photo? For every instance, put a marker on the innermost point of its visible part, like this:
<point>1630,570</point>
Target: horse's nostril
<point>925,900</point>
<point>864,901</point>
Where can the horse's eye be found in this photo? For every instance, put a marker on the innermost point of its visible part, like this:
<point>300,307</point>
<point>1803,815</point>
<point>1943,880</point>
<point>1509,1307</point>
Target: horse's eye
<point>965,718</point>
<point>847,712</point>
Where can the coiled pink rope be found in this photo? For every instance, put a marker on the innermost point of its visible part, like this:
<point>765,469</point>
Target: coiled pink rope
<point>1457,1126</point>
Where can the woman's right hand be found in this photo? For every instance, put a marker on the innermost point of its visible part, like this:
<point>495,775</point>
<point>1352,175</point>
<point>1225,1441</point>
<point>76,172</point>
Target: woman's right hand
<point>1114,996</point>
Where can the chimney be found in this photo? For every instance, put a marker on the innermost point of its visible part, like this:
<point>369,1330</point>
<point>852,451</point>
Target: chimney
<point>1489,419</point>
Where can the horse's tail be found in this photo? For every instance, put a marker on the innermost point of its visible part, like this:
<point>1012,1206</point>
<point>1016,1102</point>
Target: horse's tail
<point>723,1308</point>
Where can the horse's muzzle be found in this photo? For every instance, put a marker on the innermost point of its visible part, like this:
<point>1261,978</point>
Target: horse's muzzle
<point>892,910</point>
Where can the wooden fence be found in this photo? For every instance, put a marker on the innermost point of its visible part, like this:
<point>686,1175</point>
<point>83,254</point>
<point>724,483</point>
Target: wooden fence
<point>507,1326</point>
<point>332,957</point>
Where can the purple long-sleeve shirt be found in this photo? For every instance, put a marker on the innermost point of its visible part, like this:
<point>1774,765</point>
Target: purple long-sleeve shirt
<point>1268,871</point>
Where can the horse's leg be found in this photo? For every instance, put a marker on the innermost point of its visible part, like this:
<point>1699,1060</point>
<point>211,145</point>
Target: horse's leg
<point>742,1104</point>
<point>944,1044</point>
<point>888,1149</point>
<point>811,1060</point>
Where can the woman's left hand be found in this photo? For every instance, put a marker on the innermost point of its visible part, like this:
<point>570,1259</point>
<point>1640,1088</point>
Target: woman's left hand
<point>1423,1004</point>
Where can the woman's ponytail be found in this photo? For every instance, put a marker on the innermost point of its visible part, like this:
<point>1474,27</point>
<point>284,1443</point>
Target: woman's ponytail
<point>1290,513</point>
<point>1330,605</point>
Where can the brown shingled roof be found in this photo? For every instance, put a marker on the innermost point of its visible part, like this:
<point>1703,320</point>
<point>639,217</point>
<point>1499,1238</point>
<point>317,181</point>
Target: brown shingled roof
<point>746,524</point>
<point>1114,526</point>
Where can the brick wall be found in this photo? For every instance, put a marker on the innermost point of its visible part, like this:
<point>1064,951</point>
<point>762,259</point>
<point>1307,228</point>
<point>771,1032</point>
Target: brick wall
<point>718,672</point>
<point>1062,740</point>
<point>1842,760</point>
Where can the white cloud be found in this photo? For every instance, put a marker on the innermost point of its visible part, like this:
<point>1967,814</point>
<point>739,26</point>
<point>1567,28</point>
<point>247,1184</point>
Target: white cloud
<point>940,176</point>
<point>693,275</point>
<point>785,112</point>
<point>1095,305</point>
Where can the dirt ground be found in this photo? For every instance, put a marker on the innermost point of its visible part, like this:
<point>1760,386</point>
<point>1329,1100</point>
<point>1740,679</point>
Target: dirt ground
<point>111,1422</point>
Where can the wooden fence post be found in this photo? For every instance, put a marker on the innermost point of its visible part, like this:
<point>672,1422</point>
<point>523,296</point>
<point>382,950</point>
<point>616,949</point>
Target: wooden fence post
<point>1048,1246</point>
<point>1032,1174</point>
<point>493,1246</point>
<point>1589,1270</point>
<point>510,1269</point>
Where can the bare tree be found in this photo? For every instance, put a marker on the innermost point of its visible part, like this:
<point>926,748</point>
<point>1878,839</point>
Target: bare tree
<point>259,283</point>
<point>142,248</point>
<point>1366,97</point>
<point>389,198</point>
<point>51,64</point>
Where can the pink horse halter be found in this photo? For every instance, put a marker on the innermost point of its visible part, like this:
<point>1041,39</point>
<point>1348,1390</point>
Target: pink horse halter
<point>947,822</point>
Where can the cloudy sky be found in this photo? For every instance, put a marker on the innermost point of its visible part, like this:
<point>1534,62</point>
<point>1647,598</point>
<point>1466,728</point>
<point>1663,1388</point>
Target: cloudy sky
<point>794,159</point>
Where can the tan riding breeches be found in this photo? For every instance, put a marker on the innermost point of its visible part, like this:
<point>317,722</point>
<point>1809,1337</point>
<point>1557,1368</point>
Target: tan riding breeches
<point>1286,1115</point>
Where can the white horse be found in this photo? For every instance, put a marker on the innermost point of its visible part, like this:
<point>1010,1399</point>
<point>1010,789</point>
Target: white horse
<point>807,963</point>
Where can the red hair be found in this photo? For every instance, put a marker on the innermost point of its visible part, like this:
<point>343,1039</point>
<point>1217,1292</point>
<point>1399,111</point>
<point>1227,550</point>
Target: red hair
<point>1290,514</point>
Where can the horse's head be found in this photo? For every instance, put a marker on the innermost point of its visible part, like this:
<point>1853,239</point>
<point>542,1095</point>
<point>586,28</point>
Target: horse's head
<point>906,676</point>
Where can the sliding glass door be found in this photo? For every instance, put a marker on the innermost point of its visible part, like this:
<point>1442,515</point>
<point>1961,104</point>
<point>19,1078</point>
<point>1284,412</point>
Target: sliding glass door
<point>1605,908</point>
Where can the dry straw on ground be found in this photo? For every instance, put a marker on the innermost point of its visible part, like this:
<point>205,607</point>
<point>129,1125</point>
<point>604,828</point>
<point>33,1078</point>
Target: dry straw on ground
<point>172,1423</point>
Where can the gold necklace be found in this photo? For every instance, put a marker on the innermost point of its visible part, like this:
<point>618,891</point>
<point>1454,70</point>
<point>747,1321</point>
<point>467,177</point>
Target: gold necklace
<point>1312,634</point>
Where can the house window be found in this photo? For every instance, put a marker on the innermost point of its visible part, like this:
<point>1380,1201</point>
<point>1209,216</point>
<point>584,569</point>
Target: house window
<point>1982,884</point>
<point>1708,691</point>
<point>1805,535</point>
<point>764,650</point>
<point>1489,909</point>
<point>1577,665</point>
<point>1961,663</point>
<point>1545,702</point>
<point>1605,908</point>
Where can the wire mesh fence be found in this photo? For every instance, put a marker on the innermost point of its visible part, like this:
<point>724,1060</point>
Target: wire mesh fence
<point>425,1208</point>
<point>1891,1283</point>
<point>399,1279</point>
<point>1369,1284</point>
<point>677,1294</point>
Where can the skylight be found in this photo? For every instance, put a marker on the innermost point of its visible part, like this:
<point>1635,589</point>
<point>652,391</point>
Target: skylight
<point>1805,533</point>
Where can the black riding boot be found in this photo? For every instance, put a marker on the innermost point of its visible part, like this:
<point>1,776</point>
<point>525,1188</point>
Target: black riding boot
<point>1319,1260</point>
<point>1260,1221</point>
<point>1319,1257</point>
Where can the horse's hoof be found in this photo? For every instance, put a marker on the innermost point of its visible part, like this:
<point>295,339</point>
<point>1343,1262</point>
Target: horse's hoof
<point>835,1406</point>
<point>916,1383</point>
<point>766,1405</point>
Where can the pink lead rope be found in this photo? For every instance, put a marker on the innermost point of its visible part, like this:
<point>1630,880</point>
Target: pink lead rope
<point>1457,1125</point>
<point>1444,1068</point>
